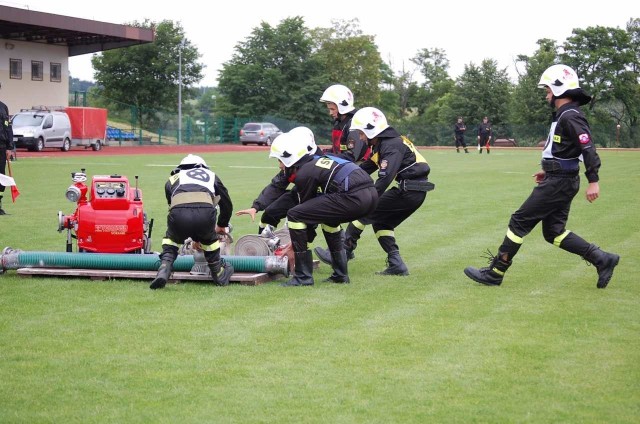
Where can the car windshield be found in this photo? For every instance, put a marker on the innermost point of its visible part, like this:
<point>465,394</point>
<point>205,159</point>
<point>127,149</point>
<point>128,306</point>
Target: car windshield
<point>27,120</point>
<point>252,127</point>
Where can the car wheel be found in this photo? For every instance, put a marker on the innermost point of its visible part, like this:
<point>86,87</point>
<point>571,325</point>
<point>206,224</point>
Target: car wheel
<point>268,141</point>
<point>97,146</point>
<point>66,145</point>
<point>40,145</point>
<point>244,144</point>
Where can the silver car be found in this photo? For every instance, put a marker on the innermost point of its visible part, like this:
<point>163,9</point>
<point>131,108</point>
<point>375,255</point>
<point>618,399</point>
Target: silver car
<point>260,133</point>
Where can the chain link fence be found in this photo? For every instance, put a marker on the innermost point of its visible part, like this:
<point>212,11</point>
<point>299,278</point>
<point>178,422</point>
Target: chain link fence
<point>129,124</point>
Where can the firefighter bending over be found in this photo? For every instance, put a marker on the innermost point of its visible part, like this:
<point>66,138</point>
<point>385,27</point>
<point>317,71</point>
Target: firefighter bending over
<point>395,158</point>
<point>193,191</point>
<point>331,190</point>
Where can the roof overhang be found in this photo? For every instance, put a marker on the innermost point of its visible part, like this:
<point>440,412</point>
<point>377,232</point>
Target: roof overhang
<point>82,36</point>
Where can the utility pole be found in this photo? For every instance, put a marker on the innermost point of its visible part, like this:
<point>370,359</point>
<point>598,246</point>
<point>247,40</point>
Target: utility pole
<point>180,47</point>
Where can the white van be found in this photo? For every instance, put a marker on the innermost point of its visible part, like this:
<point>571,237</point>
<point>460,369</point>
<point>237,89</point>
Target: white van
<point>37,129</point>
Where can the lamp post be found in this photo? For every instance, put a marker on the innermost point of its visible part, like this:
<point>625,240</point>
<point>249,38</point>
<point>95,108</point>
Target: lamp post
<point>180,47</point>
<point>618,135</point>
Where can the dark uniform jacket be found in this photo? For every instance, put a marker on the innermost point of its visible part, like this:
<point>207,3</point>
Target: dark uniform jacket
<point>6,133</point>
<point>395,158</point>
<point>459,129</point>
<point>356,149</point>
<point>324,174</point>
<point>340,132</point>
<point>484,130</point>
<point>276,188</point>
<point>195,183</point>
<point>570,141</point>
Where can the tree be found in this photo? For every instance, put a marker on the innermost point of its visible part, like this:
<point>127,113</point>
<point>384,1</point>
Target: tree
<point>600,56</point>
<point>351,58</point>
<point>273,72</point>
<point>481,91</point>
<point>434,66</point>
<point>146,76</point>
<point>529,106</point>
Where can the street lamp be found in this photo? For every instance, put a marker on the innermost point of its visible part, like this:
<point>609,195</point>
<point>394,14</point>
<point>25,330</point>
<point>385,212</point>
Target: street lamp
<point>180,47</point>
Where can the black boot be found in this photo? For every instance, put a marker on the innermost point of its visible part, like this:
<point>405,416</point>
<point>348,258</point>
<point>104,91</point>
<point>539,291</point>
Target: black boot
<point>2,212</point>
<point>164,272</point>
<point>491,275</point>
<point>395,265</point>
<point>303,275</point>
<point>325,255</point>
<point>465,150</point>
<point>221,272</point>
<point>604,262</point>
<point>340,275</point>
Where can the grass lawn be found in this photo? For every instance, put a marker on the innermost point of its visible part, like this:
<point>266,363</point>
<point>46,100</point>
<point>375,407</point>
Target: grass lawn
<point>546,346</point>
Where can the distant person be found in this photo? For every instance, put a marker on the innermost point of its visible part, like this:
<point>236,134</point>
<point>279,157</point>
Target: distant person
<point>484,135</point>
<point>569,143</point>
<point>193,191</point>
<point>458,130</point>
<point>6,144</point>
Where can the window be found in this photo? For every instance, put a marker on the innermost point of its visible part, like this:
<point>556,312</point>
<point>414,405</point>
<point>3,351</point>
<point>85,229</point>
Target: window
<point>15,68</point>
<point>36,70</point>
<point>56,72</point>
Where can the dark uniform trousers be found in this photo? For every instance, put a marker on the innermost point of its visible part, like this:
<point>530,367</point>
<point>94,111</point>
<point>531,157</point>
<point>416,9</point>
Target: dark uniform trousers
<point>394,206</point>
<point>331,210</point>
<point>195,220</point>
<point>549,203</point>
<point>3,163</point>
<point>278,209</point>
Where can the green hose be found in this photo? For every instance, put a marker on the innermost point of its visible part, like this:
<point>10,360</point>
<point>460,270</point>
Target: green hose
<point>143,262</point>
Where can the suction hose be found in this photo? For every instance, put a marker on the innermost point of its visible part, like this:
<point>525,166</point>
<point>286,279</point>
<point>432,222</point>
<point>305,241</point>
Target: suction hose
<point>14,259</point>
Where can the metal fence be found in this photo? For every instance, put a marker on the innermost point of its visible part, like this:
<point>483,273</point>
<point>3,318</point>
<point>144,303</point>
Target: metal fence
<point>206,128</point>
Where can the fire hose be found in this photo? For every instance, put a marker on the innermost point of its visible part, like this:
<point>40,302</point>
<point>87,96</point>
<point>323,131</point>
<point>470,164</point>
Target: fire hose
<point>15,259</point>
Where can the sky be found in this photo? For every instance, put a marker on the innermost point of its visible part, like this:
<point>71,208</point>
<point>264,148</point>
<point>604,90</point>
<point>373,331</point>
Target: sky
<point>468,31</point>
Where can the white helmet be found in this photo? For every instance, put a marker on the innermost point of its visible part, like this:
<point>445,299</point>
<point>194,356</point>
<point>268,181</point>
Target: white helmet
<point>341,96</point>
<point>288,149</point>
<point>370,121</point>
<point>192,161</point>
<point>559,78</point>
<point>309,139</point>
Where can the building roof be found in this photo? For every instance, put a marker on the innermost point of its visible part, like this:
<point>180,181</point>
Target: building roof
<point>82,36</point>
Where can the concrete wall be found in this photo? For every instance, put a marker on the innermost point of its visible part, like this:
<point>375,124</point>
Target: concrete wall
<point>25,93</point>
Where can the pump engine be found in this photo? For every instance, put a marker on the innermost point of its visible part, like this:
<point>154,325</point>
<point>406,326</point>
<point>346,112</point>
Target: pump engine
<point>109,217</point>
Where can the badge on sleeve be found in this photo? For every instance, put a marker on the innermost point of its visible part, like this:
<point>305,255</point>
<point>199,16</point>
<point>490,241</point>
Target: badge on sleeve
<point>383,164</point>
<point>584,138</point>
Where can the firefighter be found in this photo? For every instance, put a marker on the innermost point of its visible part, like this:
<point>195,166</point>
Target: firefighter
<point>331,190</point>
<point>569,143</point>
<point>6,144</point>
<point>395,158</point>
<point>193,191</point>
<point>484,135</point>
<point>275,200</point>
<point>340,105</point>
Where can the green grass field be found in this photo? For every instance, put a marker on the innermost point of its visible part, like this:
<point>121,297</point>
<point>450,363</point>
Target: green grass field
<point>546,346</point>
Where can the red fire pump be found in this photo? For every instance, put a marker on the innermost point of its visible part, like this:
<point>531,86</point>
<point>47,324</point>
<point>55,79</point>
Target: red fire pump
<point>112,220</point>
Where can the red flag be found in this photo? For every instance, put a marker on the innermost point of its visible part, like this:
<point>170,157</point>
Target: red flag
<point>14,188</point>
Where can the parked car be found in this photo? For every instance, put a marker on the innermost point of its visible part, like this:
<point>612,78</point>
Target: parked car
<point>37,129</point>
<point>260,133</point>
